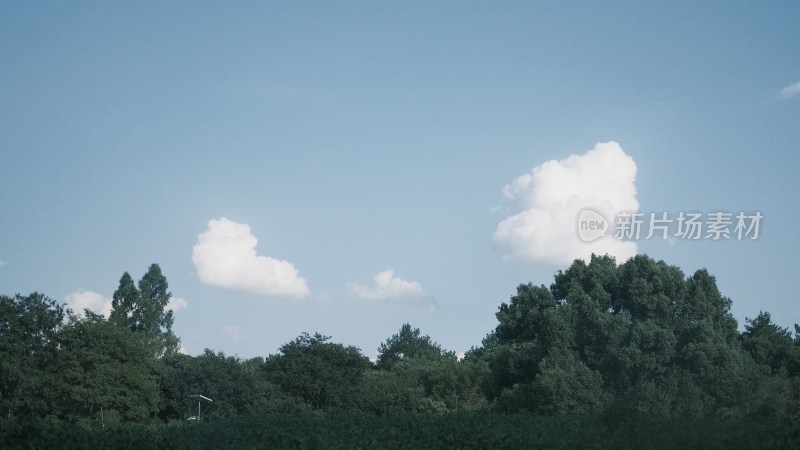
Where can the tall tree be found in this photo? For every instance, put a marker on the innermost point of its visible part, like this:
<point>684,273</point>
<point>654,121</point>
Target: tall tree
<point>125,302</point>
<point>144,310</point>
<point>154,317</point>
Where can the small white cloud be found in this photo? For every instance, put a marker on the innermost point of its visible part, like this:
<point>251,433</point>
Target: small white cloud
<point>460,356</point>
<point>234,334</point>
<point>550,197</point>
<point>182,349</point>
<point>80,300</point>
<point>225,255</point>
<point>177,304</point>
<point>387,286</point>
<point>3,263</point>
<point>790,91</point>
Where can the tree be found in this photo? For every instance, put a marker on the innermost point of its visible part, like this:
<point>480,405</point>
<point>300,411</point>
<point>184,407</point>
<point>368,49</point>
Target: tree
<point>144,310</point>
<point>771,345</point>
<point>640,332</point>
<point>523,318</point>
<point>104,372</point>
<point>325,375</point>
<point>413,373</point>
<point>385,391</point>
<point>124,304</point>
<point>237,387</point>
<point>408,343</point>
<point>563,385</point>
<point>29,326</point>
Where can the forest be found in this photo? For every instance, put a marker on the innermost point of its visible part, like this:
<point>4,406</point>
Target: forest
<point>609,346</point>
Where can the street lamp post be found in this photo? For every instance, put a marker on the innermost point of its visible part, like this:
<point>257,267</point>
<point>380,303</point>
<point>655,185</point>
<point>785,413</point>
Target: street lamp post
<point>200,397</point>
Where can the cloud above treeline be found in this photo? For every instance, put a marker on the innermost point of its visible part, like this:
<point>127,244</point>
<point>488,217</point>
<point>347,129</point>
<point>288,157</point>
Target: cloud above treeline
<point>83,299</point>
<point>225,255</point>
<point>387,286</point>
<point>546,201</point>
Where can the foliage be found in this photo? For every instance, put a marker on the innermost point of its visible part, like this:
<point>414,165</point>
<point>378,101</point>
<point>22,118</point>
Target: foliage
<point>411,431</point>
<point>639,333</point>
<point>236,387</point>
<point>771,345</point>
<point>408,343</point>
<point>323,374</point>
<point>29,326</point>
<point>144,310</point>
<point>104,373</point>
<point>633,345</point>
<point>414,374</point>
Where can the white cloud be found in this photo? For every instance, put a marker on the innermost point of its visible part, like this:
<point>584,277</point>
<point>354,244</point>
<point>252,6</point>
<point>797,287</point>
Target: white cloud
<point>549,198</point>
<point>234,334</point>
<point>79,300</point>
<point>225,255</point>
<point>387,286</point>
<point>3,263</point>
<point>177,304</point>
<point>790,91</point>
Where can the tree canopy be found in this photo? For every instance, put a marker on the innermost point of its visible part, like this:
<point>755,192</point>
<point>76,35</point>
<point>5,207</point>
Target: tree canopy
<point>144,310</point>
<point>638,338</point>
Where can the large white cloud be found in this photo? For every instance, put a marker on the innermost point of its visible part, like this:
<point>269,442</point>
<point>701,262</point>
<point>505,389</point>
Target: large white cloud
<point>225,255</point>
<point>549,198</point>
<point>80,300</point>
<point>791,90</point>
<point>387,286</point>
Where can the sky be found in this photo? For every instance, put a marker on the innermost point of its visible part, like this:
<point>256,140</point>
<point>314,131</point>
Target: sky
<point>347,167</point>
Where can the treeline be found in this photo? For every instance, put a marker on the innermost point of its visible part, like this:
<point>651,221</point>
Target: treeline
<point>638,339</point>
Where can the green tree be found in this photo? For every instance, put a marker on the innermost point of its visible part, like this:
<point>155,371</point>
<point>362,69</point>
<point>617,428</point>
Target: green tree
<point>104,372</point>
<point>144,310</point>
<point>408,343</point>
<point>455,384</point>
<point>125,303</point>
<point>415,374</point>
<point>325,375</point>
<point>390,391</point>
<point>236,387</point>
<point>771,345</point>
<point>640,332</point>
<point>29,326</point>
<point>562,385</point>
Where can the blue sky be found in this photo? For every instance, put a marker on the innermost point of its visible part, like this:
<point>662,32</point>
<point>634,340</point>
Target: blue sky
<point>366,146</point>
